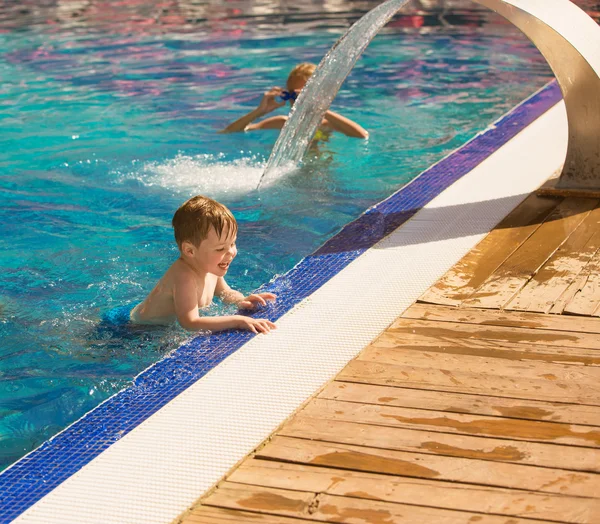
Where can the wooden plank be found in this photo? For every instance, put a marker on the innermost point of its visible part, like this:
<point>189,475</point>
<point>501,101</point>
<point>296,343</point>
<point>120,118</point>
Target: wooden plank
<point>214,515</point>
<point>490,361</point>
<point>567,358</point>
<point>586,300</point>
<point>474,382</point>
<point>563,301</point>
<point>489,349</point>
<point>558,273</point>
<point>494,317</point>
<point>475,267</point>
<point>422,492</point>
<point>461,403</point>
<point>408,329</point>
<point>332,508</point>
<point>515,272</point>
<point>428,420</point>
<point>425,466</point>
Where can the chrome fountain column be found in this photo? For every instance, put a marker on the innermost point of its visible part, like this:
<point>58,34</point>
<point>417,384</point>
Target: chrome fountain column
<point>570,42</point>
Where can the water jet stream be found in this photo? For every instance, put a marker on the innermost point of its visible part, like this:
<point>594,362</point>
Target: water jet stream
<point>321,88</point>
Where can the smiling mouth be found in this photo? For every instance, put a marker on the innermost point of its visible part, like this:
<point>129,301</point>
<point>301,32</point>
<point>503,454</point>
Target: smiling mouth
<point>224,266</point>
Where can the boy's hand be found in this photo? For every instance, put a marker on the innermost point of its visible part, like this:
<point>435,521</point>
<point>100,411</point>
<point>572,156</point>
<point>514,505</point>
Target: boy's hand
<point>256,299</point>
<point>256,325</point>
<point>269,100</point>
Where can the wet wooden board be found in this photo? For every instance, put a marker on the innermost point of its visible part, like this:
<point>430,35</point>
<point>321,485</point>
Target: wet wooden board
<point>500,287</point>
<point>406,330</point>
<point>428,420</point>
<point>462,403</point>
<point>331,508</point>
<point>465,277</point>
<point>422,492</point>
<point>560,271</point>
<point>215,515</point>
<point>513,352</point>
<point>586,300</point>
<point>443,444</point>
<point>474,381</point>
<point>458,468</point>
<point>389,343</point>
<point>496,362</point>
<point>495,317</point>
<point>563,301</point>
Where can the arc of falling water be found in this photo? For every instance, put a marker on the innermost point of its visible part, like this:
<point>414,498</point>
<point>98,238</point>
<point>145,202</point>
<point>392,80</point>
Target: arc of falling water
<point>320,90</point>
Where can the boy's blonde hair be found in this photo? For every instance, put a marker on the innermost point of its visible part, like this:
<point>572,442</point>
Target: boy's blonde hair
<point>194,218</point>
<point>303,71</point>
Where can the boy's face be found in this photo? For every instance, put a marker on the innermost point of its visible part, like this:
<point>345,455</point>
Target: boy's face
<point>214,254</point>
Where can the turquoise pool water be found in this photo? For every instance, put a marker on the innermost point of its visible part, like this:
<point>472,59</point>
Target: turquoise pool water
<point>109,122</point>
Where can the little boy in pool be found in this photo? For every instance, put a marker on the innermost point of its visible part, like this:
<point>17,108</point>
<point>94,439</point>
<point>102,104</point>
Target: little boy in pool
<point>295,83</point>
<point>205,232</point>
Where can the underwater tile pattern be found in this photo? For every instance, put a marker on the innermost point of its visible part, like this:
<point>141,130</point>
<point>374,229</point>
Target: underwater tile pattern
<point>41,471</point>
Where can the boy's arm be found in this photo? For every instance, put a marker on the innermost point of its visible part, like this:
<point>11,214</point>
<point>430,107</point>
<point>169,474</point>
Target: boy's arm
<point>226,294</point>
<point>185,297</point>
<point>231,296</point>
<point>267,104</point>
<point>345,125</point>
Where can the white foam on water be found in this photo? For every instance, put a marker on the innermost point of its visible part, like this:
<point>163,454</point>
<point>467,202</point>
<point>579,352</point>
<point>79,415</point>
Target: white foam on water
<point>208,174</point>
<point>278,173</point>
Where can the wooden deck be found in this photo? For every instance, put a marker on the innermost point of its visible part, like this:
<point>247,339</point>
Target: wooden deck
<point>481,404</point>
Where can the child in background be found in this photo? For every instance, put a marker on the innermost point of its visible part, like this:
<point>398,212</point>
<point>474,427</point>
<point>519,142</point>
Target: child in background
<point>295,83</point>
<point>205,232</point>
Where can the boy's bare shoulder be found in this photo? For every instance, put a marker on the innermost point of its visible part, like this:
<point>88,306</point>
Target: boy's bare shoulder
<point>180,272</point>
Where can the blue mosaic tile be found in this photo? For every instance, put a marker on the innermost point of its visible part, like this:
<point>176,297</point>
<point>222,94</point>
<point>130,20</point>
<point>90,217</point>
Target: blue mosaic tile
<point>38,473</point>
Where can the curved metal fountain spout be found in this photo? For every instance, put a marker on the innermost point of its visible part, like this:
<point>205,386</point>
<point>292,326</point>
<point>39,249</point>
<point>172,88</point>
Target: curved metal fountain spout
<point>567,37</point>
<point>570,42</point>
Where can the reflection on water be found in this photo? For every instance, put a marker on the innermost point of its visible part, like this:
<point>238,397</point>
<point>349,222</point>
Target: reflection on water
<point>233,17</point>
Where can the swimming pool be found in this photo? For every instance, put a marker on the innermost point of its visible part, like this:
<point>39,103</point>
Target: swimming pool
<point>109,126</point>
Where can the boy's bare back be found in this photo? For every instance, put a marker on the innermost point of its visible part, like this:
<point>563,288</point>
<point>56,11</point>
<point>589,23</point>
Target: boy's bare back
<point>159,306</point>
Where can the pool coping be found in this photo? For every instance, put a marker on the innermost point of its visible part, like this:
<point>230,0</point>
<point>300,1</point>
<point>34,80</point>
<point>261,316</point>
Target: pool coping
<point>42,470</point>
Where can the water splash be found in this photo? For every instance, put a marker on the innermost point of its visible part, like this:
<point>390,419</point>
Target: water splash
<point>319,92</point>
<point>207,174</point>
